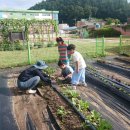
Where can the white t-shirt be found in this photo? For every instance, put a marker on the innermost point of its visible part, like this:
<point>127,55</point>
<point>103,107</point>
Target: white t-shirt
<point>78,57</point>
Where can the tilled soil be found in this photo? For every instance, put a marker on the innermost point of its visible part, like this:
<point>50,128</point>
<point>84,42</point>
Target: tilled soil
<point>35,106</point>
<point>24,103</point>
<point>70,121</point>
<point>110,107</point>
<point>113,75</point>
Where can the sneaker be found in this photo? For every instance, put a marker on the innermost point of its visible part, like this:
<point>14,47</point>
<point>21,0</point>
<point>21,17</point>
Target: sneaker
<point>32,91</point>
<point>74,87</point>
<point>84,84</point>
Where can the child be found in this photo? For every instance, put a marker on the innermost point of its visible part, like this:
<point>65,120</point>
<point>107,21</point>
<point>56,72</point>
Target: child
<point>78,77</point>
<point>67,72</point>
<point>62,48</point>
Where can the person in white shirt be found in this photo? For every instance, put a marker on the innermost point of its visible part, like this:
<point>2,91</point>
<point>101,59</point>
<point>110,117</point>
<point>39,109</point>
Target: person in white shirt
<point>78,77</point>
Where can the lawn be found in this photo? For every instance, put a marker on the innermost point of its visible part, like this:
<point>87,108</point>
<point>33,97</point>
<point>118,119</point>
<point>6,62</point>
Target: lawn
<point>50,54</point>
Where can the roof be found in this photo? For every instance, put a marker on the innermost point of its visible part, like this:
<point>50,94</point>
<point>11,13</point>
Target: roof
<point>28,11</point>
<point>70,28</point>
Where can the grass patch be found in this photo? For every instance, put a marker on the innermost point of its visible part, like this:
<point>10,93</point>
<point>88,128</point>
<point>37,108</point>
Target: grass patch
<point>50,54</point>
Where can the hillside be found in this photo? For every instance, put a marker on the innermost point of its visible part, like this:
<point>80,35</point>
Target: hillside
<point>78,9</point>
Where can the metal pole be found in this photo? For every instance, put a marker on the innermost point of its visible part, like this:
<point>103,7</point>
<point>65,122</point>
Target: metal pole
<point>68,42</point>
<point>120,44</point>
<point>29,54</point>
<point>103,46</point>
<point>96,45</point>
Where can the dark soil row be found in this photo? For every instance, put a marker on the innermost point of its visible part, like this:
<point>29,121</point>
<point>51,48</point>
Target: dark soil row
<point>114,68</point>
<point>69,120</point>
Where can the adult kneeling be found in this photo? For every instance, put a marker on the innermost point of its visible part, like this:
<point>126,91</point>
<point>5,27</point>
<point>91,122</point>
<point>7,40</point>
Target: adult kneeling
<point>29,78</point>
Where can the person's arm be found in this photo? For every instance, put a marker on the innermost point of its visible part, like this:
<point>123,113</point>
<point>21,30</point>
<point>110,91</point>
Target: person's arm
<point>77,66</point>
<point>42,76</point>
<point>69,75</point>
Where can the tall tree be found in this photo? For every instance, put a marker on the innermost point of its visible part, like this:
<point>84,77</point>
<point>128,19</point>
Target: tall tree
<point>69,10</point>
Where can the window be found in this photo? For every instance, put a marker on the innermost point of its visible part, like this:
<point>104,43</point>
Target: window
<point>32,14</point>
<point>11,13</point>
<point>45,14</point>
<point>24,14</point>
<point>36,14</point>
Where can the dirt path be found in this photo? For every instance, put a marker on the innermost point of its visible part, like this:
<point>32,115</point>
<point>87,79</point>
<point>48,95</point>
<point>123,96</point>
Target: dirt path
<point>7,120</point>
<point>23,103</point>
<point>110,107</point>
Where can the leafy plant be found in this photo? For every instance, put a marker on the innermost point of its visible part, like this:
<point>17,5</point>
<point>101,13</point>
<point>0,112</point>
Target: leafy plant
<point>49,71</point>
<point>104,125</point>
<point>61,112</point>
<point>98,122</point>
<point>71,93</point>
<point>83,105</point>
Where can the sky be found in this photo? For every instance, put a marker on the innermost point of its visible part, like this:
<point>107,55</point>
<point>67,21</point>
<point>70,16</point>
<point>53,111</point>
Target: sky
<point>18,4</point>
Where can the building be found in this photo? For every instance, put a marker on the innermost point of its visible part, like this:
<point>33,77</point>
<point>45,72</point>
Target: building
<point>29,14</point>
<point>92,23</point>
<point>128,20</point>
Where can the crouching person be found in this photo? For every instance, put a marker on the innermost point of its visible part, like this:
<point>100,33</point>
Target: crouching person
<point>29,78</point>
<point>66,72</point>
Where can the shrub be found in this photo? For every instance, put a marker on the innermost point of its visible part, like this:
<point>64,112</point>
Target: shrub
<point>106,32</point>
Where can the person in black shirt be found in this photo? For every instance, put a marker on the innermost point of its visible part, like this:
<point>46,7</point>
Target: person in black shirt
<point>29,78</point>
<point>66,72</point>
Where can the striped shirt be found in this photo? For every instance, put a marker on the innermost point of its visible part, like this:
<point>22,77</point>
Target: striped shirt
<point>63,55</point>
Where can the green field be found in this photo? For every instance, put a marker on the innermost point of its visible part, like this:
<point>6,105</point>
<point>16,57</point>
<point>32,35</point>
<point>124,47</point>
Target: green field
<point>50,54</point>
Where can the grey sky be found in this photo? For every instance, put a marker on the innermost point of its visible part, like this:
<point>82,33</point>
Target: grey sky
<point>17,4</point>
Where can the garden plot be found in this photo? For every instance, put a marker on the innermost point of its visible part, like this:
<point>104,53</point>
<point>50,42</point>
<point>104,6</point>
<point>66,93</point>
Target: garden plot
<point>122,71</point>
<point>116,63</point>
<point>123,59</point>
<point>115,75</point>
<point>35,106</point>
<point>112,107</point>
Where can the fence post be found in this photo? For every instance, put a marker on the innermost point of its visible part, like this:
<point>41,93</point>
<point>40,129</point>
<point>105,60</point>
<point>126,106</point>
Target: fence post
<point>29,55</point>
<point>120,44</point>
<point>96,46</point>
<point>103,46</point>
<point>68,41</point>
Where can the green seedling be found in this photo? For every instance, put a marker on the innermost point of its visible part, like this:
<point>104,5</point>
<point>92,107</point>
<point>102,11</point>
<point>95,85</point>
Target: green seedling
<point>49,71</point>
<point>83,105</point>
<point>71,93</point>
<point>74,101</point>
<point>104,125</point>
<point>61,112</point>
<point>94,118</point>
<point>121,89</point>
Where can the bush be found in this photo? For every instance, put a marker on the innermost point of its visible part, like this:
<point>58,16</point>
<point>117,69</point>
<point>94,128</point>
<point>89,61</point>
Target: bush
<point>106,32</point>
<point>51,44</point>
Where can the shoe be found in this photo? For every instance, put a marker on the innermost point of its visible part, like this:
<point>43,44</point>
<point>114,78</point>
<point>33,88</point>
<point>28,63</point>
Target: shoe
<point>84,84</point>
<point>32,91</point>
<point>74,87</point>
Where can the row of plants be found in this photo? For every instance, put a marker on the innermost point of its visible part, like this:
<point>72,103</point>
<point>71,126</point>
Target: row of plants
<point>83,106</point>
<point>112,63</point>
<point>115,68</point>
<point>65,116</point>
<point>28,27</point>
<point>107,81</point>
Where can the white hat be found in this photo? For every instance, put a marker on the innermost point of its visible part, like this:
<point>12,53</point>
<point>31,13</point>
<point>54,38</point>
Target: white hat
<point>40,65</point>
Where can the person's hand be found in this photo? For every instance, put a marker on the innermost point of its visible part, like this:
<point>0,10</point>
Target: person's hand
<point>52,77</point>
<point>53,81</point>
<point>77,70</point>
